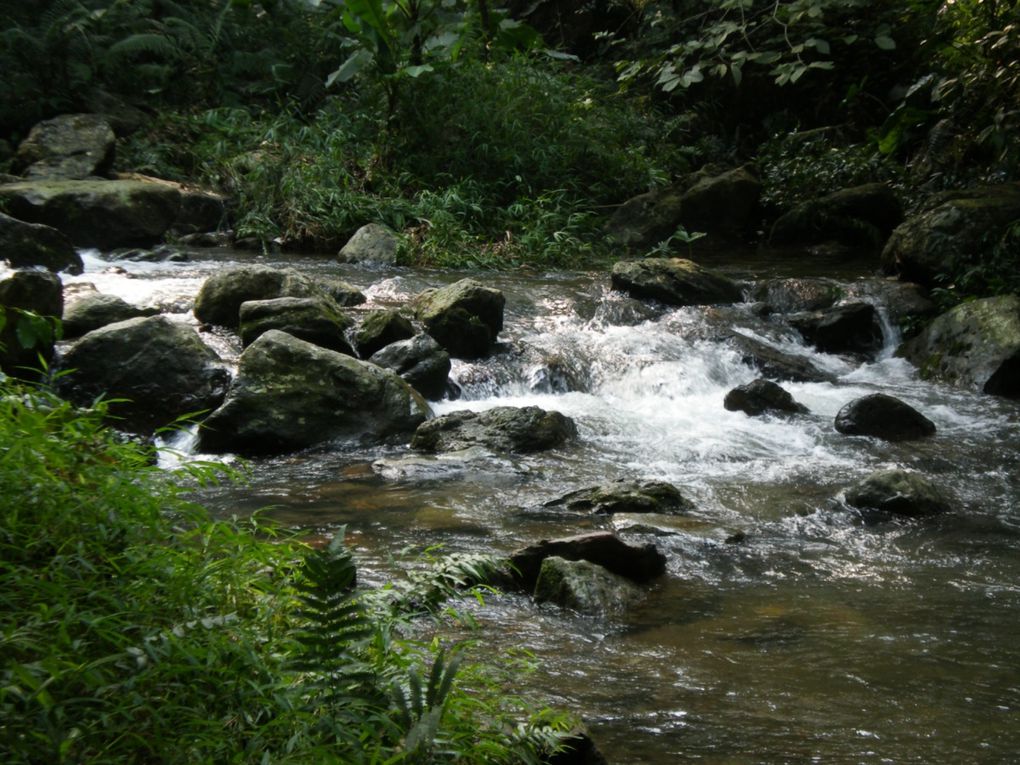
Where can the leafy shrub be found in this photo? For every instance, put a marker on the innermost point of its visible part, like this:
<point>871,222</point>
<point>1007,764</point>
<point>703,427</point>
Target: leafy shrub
<point>133,629</point>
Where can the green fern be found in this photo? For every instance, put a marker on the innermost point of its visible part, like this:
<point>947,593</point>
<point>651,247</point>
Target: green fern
<point>420,707</point>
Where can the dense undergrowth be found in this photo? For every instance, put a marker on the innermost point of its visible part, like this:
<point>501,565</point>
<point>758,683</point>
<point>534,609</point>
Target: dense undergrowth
<point>135,629</point>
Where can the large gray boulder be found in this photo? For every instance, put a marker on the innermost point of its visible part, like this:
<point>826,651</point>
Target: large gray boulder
<point>762,397</point>
<point>638,563</point>
<point>290,394</point>
<point>974,345</point>
<point>464,317</point>
<point>92,311</point>
<point>900,493</point>
<point>502,429</point>
<point>958,232</point>
<point>161,368</point>
<point>625,496</point>
<point>884,417</point>
<point>851,328</point>
<point>583,586</point>
<point>374,244</point>
<point>69,146</point>
<point>380,328</point>
<point>96,213</point>
<point>219,300</point>
<point>22,339</point>
<point>317,320</point>
<point>673,281</point>
<point>420,361</point>
<point>859,216</point>
<point>24,245</point>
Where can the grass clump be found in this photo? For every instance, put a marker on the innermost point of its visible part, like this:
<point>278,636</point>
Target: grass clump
<point>134,629</point>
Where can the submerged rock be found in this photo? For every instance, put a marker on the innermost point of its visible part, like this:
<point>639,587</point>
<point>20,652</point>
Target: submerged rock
<point>464,317</point>
<point>162,369</point>
<point>290,394</point>
<point>673,281</point>
<point>25,245</point>
<point>900,493</point>
<point>884,417</point>
<point>974,345</point>
<point>380,328</point>
<point>69,146</point>
<point>852,328</point>
<point>502,429</point>
<point>315,319</point>
<point>92,311</point>
<point>638,563</point>
<point>583,586</point>
<point>625,496</point>
<point>760,397</point>
<point>420,361</point>
<point>776,364</point>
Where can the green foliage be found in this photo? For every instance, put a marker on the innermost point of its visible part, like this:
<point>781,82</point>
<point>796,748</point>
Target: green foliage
<point>798,167</point>
<point>133,629</point>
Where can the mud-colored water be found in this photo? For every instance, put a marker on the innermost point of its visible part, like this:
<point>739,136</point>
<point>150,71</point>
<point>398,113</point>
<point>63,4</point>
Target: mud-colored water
<point>817,639</point>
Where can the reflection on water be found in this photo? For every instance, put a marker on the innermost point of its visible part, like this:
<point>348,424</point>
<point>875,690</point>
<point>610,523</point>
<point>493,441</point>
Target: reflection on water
<point>814,639</point>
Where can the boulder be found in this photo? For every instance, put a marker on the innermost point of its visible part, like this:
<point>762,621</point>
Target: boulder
<point>956,232</point>
<point>219,300</point>
<point>37,292</point>
<point>201,211</point>
<point>852,328</point>
<point>162,369</point>
<point>901,301</point>
<point>884,417</point>
<point>380,328</point>
<point>725,204</point>
<point>860,216</point>
<point>71,146</point>
<point>762,397</point>
<point>974,345</point>
<point>583,586</point>
<point>421,362</point>
<point>24,245</point>
<point>501,429</point>
<point>163,253</point>
<point>578,748</point>
<point>625,496</point>
<point>638,563</point>
<point>92,311</point>
<point>776,364</point>
<point>900,493</point>
<point>464,317</point>
<point>317,320</point>
<point>290,394</point>
<point>373,244</point>
<point>673,281</point>
<point>789,295</point>
<point>343,293</point>
<point>103,214</point>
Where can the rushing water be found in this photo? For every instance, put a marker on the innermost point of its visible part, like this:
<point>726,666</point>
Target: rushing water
<point>816,639</point>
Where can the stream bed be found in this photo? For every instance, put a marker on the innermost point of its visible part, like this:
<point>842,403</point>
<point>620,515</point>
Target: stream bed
<point>816,638</point>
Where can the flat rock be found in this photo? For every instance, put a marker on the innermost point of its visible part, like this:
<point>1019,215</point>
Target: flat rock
<point>219,300</point>
<point>502,429</point>
<point>317,320</point>
<point>673,281</point>
<point>92,311</point>
<point>899,493</point>
<point>625,496</point>
<point>638,563</point>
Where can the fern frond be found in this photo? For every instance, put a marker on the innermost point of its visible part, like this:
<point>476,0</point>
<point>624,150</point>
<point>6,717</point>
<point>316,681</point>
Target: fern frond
<point>144,43</point>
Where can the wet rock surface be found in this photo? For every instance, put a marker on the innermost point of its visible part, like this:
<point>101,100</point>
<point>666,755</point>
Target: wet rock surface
<point>884,417</point>
<point>502,429</point>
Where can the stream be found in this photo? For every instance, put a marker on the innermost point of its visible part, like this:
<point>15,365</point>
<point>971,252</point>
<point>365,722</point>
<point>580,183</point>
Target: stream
<point>818,638</point>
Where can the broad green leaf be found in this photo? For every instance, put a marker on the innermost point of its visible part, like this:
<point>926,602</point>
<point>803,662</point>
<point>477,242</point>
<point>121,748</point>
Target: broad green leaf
<point>417,71</point>
<point>885,42</point>
<point>351,67</point>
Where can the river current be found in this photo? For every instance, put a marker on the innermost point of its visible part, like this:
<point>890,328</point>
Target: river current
<point>817,638</point>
